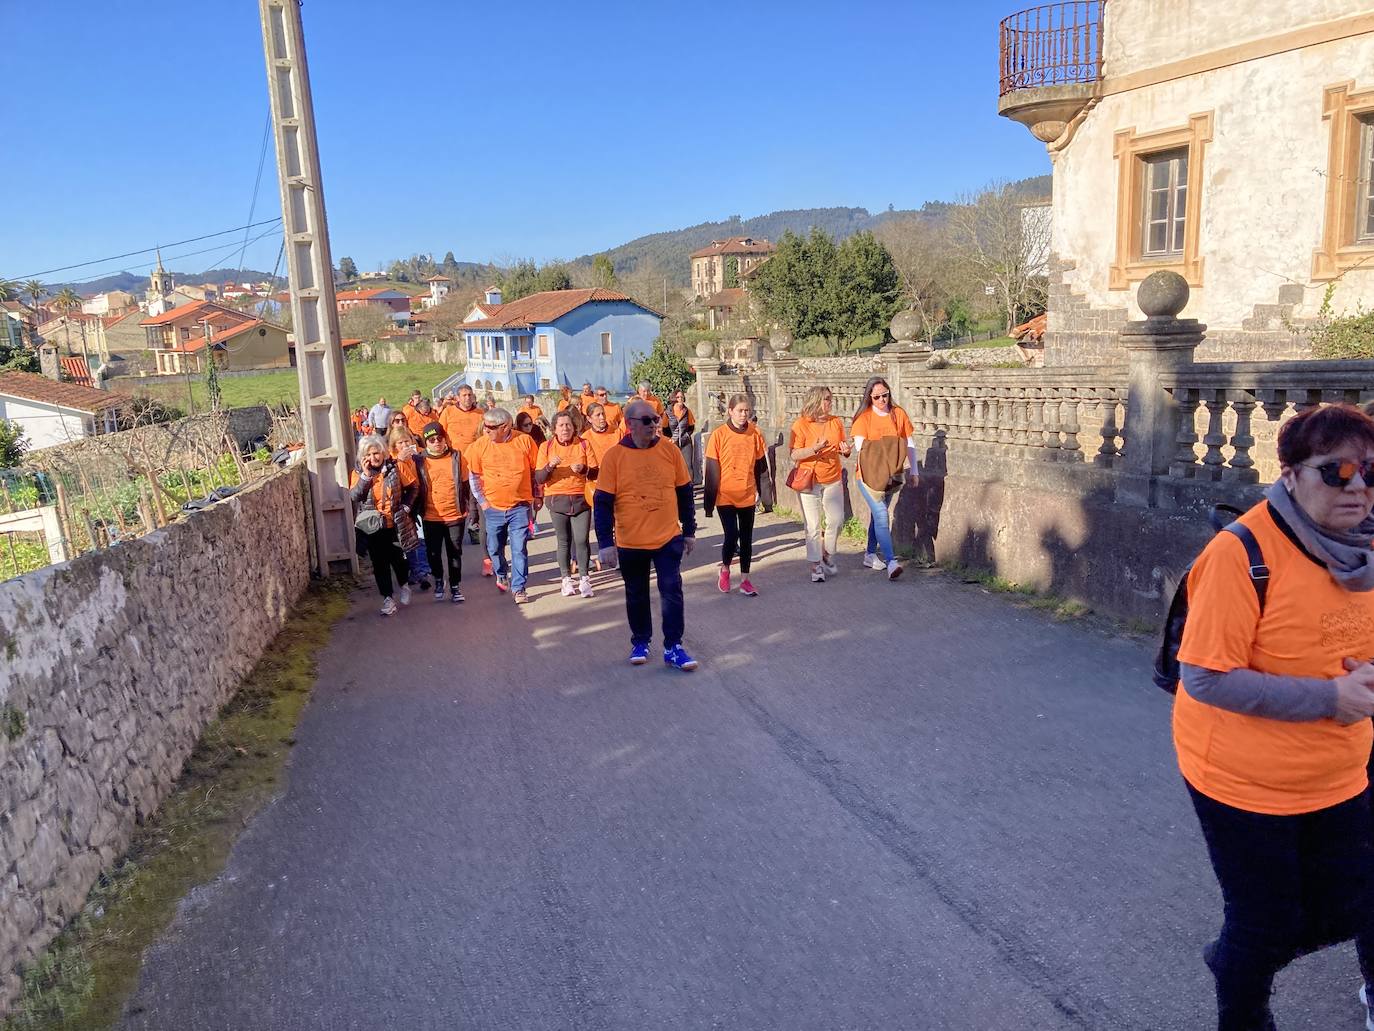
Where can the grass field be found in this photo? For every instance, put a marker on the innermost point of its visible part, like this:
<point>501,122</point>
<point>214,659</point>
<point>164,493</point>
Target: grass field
<point>366,382</point>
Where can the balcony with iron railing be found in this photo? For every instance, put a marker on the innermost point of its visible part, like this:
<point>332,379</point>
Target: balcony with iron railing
<point>1050,65</point>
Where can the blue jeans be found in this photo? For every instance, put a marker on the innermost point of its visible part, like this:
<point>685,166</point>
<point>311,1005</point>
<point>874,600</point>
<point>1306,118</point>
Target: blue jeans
<point>880,519</point>
<point>417,562</point>
<point>511,524</point>
<point>666,561</point>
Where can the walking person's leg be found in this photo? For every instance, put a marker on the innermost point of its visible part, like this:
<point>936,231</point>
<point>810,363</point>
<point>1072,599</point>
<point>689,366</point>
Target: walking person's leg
<point>832,503</point>
<point>562,530</point>
<point>519,547</point>
<point>494,523</point>
<point>435,534</point>
<point>453,544</point>
<point>729,524</point>
<point>811,505</point>
<point>581,527</point>
<point>379,552</point>
<point>400,568</point>
<point>746,539</point>
<point>634,571</point>
<point>879,531</point>
<point>668,569</point>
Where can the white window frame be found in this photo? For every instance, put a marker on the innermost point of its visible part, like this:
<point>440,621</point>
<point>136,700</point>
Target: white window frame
<point>1364,209</point>
<point>606,344</point>
<point>1174,189</point>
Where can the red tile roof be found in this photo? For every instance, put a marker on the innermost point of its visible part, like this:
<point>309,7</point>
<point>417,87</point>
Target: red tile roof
<point>194,312</point>
<point>730,297</point>
<point>76,370</point>
<point>439,279</point>
<point>1034,330</point>
<point>735,245</point>
<point>367,295</point>
<point>545,307</point>
<point>61,395</point>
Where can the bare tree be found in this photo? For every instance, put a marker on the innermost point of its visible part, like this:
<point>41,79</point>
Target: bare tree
<point>1003,247</point>
<point>366,322</point>
<point>927,266</point>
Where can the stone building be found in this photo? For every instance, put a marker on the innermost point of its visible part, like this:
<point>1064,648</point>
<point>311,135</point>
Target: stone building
<point>1230,142</point>
<point>711,264</point>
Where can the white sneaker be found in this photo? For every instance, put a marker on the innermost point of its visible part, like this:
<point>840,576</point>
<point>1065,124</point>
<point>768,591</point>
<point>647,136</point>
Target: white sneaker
<point>405,595</point>
<point>894,569</point>
<point>818,573</point>
<point>388,606</point>
<point>1368,1013</point>
<point>568,587</point>
<point>829,566</point>
<point>872,561</point>
<point>584,587</point>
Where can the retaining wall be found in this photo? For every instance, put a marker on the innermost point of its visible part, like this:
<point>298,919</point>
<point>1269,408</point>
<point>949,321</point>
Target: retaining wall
<point>113,665</point>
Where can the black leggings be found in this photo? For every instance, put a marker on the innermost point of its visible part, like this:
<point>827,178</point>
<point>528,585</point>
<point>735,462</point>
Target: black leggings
<point>1291,885</point>
<point>572,532</point>
<point>387,557</point>
<point>738,524</point>
<point>439,538</point>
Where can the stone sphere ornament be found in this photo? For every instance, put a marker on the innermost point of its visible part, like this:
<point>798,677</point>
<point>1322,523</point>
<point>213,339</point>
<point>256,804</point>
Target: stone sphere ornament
<point>780,341</point>
<point>905,325</point>
<point>705,349</point>
<point>1163,295</point>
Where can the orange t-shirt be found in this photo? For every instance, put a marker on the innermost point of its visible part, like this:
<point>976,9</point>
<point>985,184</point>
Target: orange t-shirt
<point>416,421</point>
<point>359,421</point>
<point>462,427</point>
<point>599,443</point>
<point>563,480</point>
<point>563,402</point>
<point>1309,625</point>
<point>653,400</point>
<point>506,469</point>
<point>584,400</point>
<point>736,451</point>
<point>533,411</point>
<point>870,425</point>
<point>808,433</point>
<point>383,501</point>
<point>644,482</point>
<point>615,415</point>
<point>441,499</point>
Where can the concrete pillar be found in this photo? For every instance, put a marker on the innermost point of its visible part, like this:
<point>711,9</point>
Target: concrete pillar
<point>778,367</point>
<point>1160,343</point>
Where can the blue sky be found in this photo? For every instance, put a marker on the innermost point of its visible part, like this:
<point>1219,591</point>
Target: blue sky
<point>539,129</point>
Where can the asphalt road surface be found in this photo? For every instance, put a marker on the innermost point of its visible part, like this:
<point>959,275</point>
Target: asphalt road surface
<point>875,805</point>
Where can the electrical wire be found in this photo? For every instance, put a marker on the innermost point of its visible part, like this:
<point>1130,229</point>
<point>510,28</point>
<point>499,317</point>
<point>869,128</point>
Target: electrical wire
<point>257,184</point>
<point>146,250</point>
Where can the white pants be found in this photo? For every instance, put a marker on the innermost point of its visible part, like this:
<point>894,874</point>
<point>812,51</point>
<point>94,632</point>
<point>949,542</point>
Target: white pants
<point>827,498</point>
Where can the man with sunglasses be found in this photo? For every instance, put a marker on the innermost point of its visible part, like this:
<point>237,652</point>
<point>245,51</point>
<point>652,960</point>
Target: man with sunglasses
<point>643,505</point>
<point>501,474</point>
<point>615,415</point>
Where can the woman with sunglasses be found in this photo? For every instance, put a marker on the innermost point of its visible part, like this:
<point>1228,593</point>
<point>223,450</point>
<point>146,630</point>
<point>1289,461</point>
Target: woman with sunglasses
<point>818,443</point>
<point>1271,719</point>
<point>885,442</point>
<point>736,471</point>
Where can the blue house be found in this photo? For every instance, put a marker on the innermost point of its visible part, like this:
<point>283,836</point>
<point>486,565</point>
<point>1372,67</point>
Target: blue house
<point>557,337</point>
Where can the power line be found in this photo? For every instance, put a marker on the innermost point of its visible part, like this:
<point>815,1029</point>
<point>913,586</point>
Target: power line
<point>257,183</point>
<point>146,250</point>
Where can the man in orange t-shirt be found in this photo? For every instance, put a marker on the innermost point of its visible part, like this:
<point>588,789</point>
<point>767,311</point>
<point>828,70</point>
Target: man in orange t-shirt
<point>418,416</point>
<point>615,415</point>
<point>501,474</point>
<point>644,505</point>
<point>531,408</point>
<point>463,424</point>
<point>646,393</point>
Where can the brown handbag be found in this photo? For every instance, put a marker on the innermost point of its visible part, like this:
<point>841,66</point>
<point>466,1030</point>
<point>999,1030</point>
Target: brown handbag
<point>800,479</point>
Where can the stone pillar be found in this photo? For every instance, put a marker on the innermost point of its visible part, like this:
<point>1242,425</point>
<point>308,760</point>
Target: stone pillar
<point>905,356</point>
<point>48,364</point>
<point>1161,343</point>
<point>779,368</point>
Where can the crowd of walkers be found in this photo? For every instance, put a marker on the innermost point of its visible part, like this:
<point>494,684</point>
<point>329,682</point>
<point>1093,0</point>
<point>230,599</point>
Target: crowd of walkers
<point>431,473</point>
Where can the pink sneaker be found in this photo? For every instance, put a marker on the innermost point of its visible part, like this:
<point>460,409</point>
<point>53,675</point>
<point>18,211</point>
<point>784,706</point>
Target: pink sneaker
<point>747,589</point>
<point>724,582</point>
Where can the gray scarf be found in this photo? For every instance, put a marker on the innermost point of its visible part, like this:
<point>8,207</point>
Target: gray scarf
<point>1345,553</point>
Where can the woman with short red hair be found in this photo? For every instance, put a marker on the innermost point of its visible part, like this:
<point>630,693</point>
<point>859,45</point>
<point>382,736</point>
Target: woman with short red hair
<point>1271,719</point>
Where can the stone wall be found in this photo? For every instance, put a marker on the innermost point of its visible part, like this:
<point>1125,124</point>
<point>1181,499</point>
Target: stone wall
<point>402,352</point>
<point>113,665</point>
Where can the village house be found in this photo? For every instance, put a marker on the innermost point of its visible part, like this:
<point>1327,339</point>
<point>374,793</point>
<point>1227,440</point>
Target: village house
<point>722,264</point>
<point>111,302</point>
<point>395,303</point>
<point>49,412</point>
<point>439,287</point>
<point>174,337</point>
<point>1232,144</point>
<point>555,337</point>
<point>76,332</point>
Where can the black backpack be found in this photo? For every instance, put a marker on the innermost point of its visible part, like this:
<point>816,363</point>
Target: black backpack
<point>1166,661</point>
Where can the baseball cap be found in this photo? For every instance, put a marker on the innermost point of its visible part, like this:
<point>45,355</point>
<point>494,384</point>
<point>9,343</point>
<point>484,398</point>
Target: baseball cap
<point>432,429</point>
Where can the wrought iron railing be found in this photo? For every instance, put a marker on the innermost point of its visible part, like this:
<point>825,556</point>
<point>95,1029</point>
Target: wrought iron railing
<point>1052,45</point>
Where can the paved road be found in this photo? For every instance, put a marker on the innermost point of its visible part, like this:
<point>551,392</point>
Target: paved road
<point>876,805</point>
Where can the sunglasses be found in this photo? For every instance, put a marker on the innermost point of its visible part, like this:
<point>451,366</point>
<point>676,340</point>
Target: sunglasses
<point>881,397</point>
<point>647,420</point>
<point>1338,474</point>
<point>601,393</point>
<point>489,426</point>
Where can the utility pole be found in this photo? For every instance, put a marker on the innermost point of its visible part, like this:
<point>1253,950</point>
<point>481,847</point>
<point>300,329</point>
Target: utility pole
<point>315,319</point>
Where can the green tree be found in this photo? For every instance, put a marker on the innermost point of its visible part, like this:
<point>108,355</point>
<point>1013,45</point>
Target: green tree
<point>16,358</point>
<point>9,290</point>
<point>664,368</point>
<point>450,264</point>
<point>867,289</point>
<point>525,278</point>
<point>67,300</point>
<point>348,269</point>
<point>796,287</point>
<point>36,291</point>
<point>731,273</point>
<point>12,444</point>
<point>603,272</point>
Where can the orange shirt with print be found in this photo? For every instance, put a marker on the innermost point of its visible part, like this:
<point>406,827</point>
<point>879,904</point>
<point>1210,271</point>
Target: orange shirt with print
<point>615,416</point>
<point>533,411</point>
<point>441,499</point>
<point>644,482</point>
<point>807,433</point>
<point>563,480</point>
<point>870,425</point>
<point>1309,625</point>
<point>506,469</point>
<point>462,427</point>
<point>736,451</point>
<point>381,498</point>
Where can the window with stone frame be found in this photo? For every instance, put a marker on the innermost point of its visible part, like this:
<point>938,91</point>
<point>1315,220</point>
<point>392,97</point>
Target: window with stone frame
<point>1364,214</point>
<point>1163,208</point>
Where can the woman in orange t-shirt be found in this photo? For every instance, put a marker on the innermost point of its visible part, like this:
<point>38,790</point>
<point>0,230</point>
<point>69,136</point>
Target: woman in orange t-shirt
<point>380,490</point>
<point>736,469</point>
<point>601,435</point>
<point>564,466</point>
<point>1271,718</point>
<point>817,443</point>
<point>885,442</point>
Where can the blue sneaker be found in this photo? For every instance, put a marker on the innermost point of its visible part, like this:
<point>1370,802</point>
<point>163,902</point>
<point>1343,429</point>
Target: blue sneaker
<point>639,655</point>
<point>677,656</point>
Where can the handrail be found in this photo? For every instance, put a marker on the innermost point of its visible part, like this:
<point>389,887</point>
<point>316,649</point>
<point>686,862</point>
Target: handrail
<point>1051,45</point>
